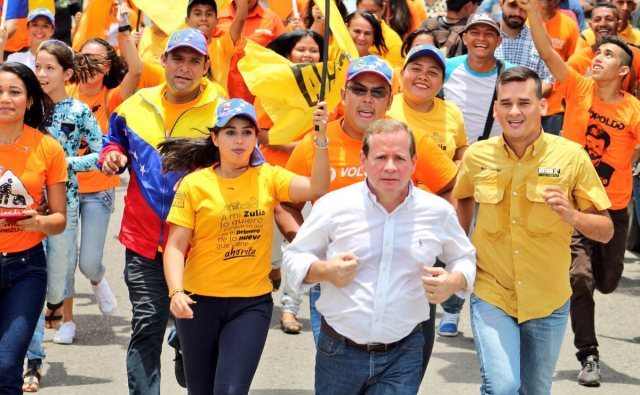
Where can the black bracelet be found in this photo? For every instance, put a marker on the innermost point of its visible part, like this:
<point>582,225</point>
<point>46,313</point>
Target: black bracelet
<point>125,28</point>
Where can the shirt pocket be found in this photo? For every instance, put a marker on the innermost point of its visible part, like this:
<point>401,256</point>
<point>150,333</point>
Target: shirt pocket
<point>540,220</point>
<point>490,214</point>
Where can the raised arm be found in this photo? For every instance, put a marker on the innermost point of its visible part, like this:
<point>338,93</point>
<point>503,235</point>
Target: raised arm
<point>303,189</point>
<point>242,10</point>
<point>130,54</point>
<point>541,39</point>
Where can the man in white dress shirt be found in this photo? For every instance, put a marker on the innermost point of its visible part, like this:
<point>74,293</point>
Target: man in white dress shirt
<point>372,246</point>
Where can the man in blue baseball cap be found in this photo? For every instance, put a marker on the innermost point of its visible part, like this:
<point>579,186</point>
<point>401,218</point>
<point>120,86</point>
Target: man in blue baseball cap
<point>184,106</point>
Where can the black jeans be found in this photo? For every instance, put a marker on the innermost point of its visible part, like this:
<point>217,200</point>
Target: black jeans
<point>222,343</point>
<point>149,298</point>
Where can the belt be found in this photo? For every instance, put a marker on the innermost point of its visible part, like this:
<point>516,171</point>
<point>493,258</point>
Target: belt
<point>369,347</point>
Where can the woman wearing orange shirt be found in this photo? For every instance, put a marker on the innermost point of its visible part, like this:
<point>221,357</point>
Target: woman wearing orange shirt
<point>30,163</point>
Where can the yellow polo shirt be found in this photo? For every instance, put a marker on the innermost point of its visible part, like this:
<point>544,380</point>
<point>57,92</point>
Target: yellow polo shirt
<point>630,35</point>
<point>444,124</point>
<point>522,245</point>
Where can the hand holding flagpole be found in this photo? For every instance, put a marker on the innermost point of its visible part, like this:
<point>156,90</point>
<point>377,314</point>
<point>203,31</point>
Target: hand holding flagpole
<point>325,53</point>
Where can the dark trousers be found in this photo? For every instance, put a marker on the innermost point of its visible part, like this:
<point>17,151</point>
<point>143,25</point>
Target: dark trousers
<point>149,298</point>
<point>23,284</point>
<point>223,342</point>
<point>594,266</point>
<point>429,333</point>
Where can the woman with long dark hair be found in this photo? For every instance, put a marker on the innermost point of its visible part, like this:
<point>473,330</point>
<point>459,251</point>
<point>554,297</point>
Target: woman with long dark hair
<point>223,210</point>
<point>31,162</point>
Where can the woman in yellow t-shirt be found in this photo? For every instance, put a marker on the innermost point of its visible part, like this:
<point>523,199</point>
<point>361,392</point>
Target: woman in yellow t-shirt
<point>223,209</point>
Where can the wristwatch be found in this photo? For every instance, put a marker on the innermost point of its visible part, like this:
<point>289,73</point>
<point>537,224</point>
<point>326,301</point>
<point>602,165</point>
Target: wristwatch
<point>124,28</point>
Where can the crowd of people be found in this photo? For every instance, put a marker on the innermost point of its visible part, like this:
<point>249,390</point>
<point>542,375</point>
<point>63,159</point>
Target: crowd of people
<point>463,138</point>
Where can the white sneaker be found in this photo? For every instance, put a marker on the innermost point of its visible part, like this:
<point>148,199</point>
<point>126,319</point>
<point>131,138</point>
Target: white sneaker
<point>104,296</point>
<point>66,333</point>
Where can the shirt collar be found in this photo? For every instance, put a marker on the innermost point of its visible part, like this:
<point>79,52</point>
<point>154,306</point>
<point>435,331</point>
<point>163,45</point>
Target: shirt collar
<point>374,199</point>
<point>532,151</point>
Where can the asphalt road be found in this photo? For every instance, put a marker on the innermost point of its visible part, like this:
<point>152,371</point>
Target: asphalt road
<point>95,362</point>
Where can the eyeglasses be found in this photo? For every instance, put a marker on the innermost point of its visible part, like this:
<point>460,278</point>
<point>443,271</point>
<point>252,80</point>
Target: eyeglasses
<point>376,93</point>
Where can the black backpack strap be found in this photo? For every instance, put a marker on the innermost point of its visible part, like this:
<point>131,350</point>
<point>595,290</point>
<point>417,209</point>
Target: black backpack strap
<point>488,123</point>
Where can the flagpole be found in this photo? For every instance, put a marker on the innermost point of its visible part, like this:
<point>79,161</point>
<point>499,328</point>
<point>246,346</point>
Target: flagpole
<point>4,13</point>
<point>325,52</point>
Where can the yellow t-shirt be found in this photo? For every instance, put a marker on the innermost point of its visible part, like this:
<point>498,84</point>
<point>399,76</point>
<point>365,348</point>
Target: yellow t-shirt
<point>523,247</point>
<point>444,124</point>
<point>232,223</point>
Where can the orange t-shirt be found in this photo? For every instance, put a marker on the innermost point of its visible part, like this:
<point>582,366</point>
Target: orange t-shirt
<point>262,26</point>
<point>581,62</point>
<point>564,33</point>
<point>172,111</point>
<point>101,105</point>
<point>434,169</point>
<point>35,160</point>
<point>608,131</point>
<point>20,38</point>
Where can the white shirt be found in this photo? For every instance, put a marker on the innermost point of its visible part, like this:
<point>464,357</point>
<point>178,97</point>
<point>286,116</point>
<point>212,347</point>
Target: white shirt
<point>26,58</point>
<point>386,299</point>
<point>472,92</point>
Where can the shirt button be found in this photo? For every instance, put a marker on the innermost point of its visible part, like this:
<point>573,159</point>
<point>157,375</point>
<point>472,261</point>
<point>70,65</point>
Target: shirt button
<point>519,164</point>
<point>513,221</point>
<point>517,252</point>
<point>515,193</point>
<point>519,282</point>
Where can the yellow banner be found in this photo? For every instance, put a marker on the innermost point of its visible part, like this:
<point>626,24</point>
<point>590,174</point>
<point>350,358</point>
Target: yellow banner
<point>339,29</point>
<point>169,15</point>
<point>33,4</point>
<point>289,92</point>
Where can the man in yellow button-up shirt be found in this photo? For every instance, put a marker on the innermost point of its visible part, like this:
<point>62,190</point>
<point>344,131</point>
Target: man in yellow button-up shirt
<point>533,190</point>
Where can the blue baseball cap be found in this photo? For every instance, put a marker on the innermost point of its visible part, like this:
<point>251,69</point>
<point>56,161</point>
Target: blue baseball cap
<point>370,64</point>
<point>191,38</point>
<point>233,108</point>
<point>426,50</point>
<point>45,12</point>
<point>238,107</point>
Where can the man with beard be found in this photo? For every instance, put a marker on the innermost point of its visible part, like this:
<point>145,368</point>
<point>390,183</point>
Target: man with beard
<point>625,30</point>
<point>597,142</point>
<point>517,46</point>
<point>604,22</point>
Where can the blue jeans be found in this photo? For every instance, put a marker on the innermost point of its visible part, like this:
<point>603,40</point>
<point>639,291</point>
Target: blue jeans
<point>636,195</point>
<point>95,212</point>
<point>149,298</point>
<point>453,305</point>
<point>222,343</point>
<point>62,255</point>
<point>516,358</point>
<point>341,369</point>
<point>35,350</point>
<point>315,316</point>
<point>23,285</point>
